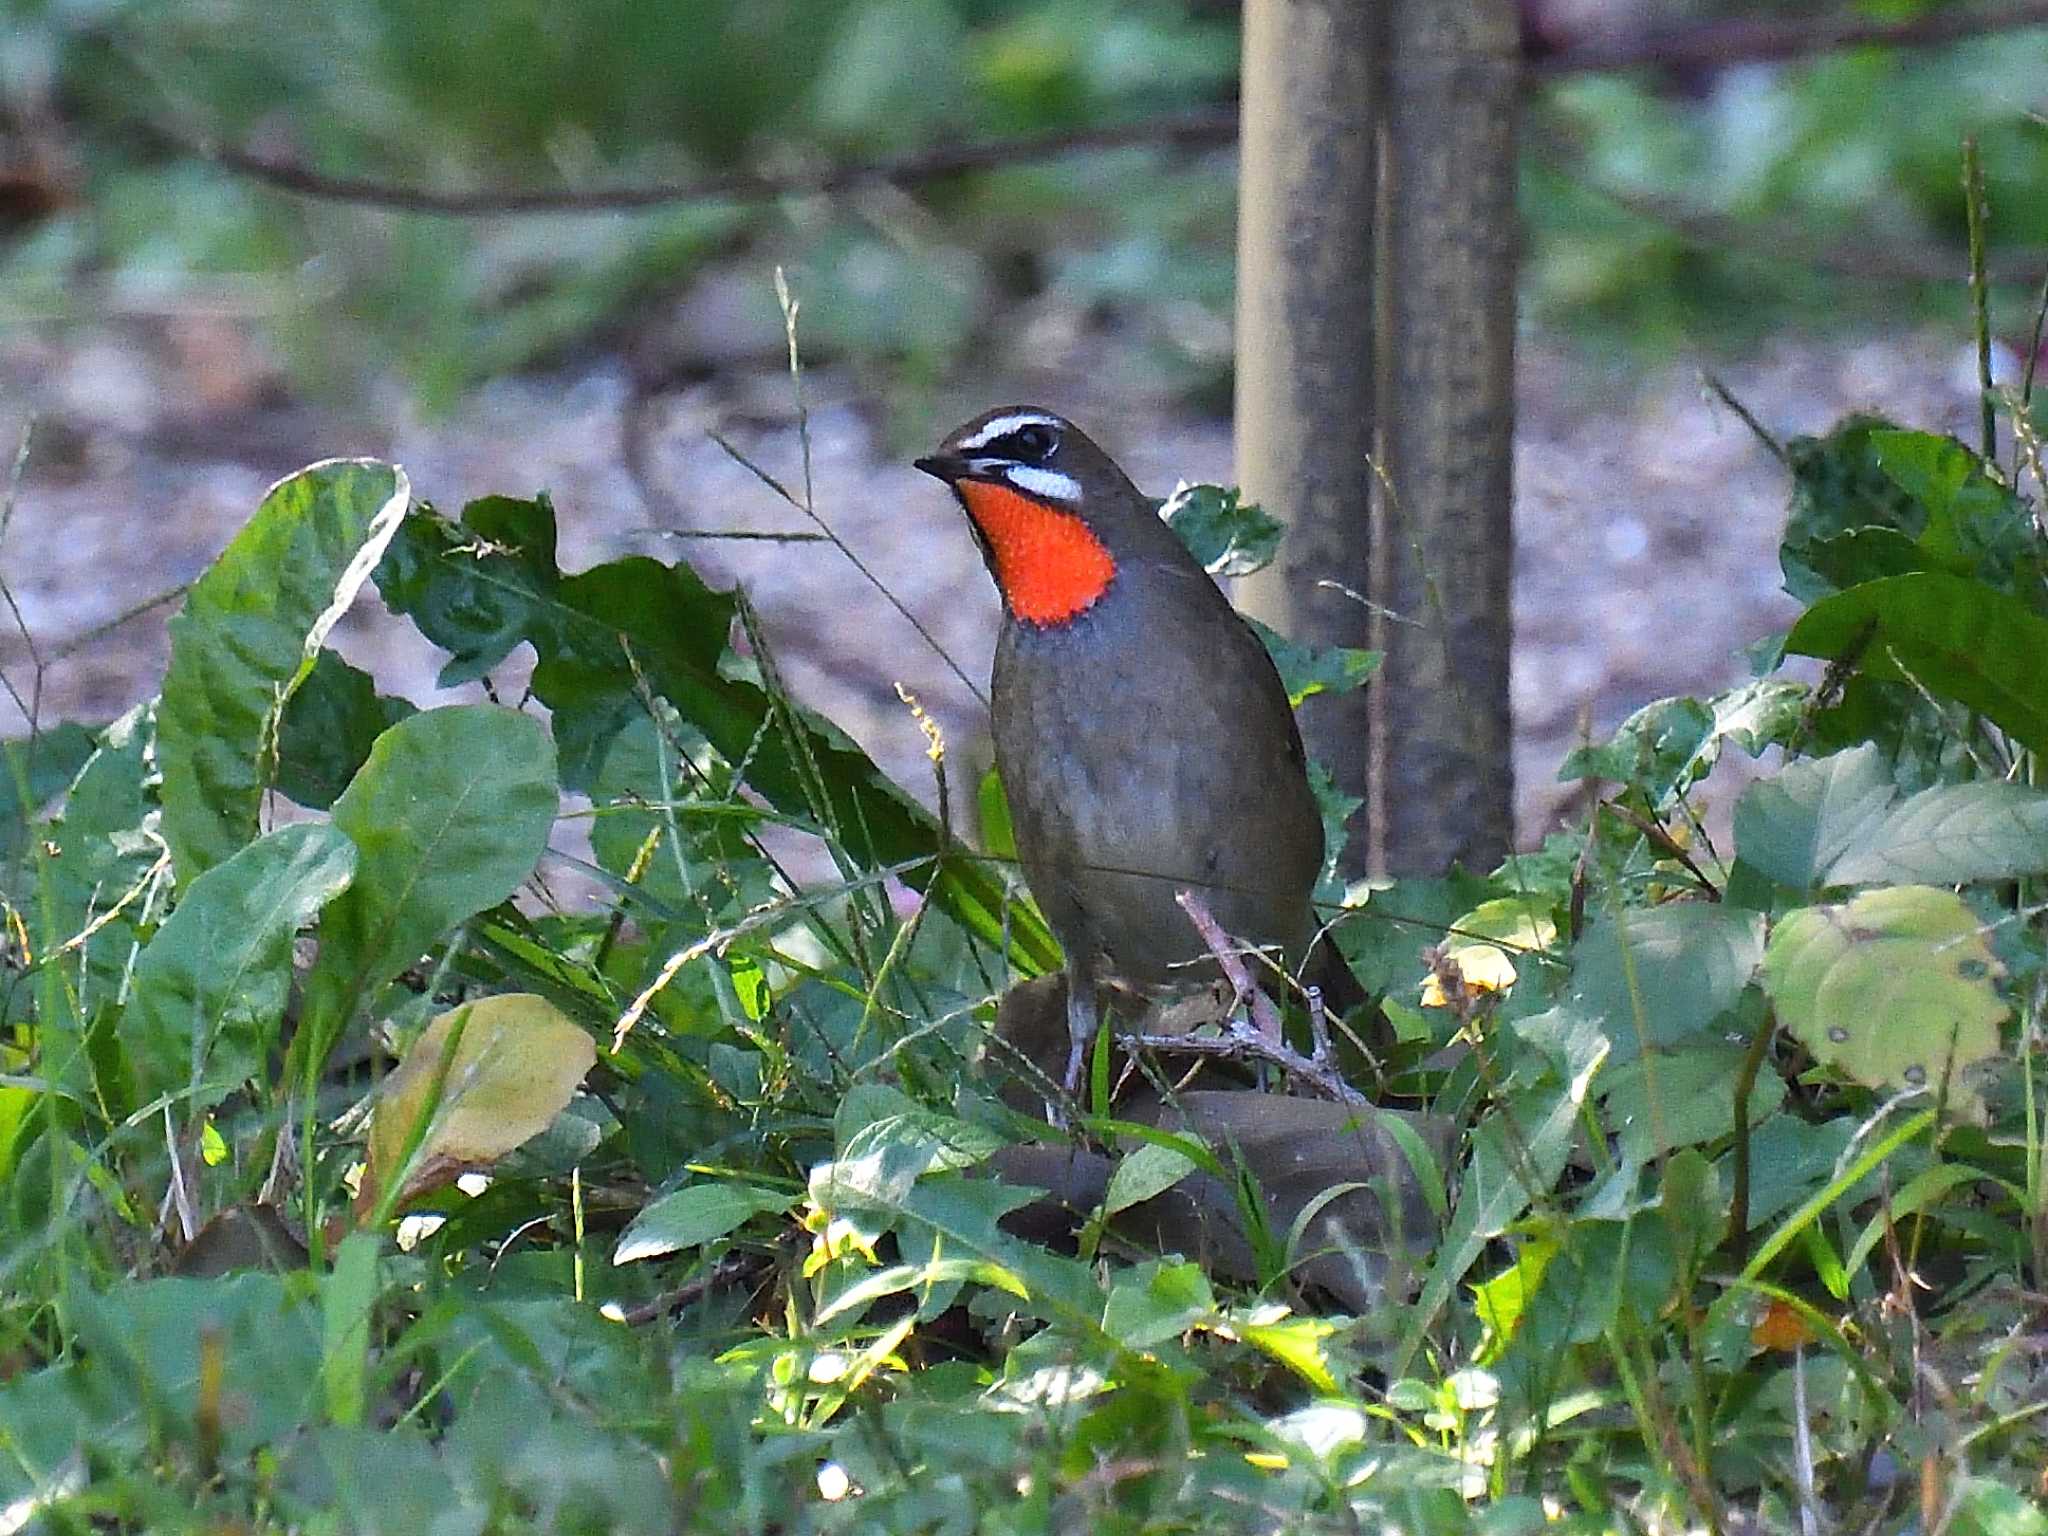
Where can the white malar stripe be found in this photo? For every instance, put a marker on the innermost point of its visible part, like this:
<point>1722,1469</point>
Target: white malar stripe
<point>1045,484</point>
<point>1003,426</point>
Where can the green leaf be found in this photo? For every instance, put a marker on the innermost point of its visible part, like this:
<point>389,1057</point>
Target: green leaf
<point>247,636</point>
<point>1155,1301</point>
<point>32,770</point>
<point>1896,987</point>
<point>1518,1153</point>
<point>1670,1099</point>
<point>480,588</point>
<point>1307,670</point>
<point>1862,554</point>
<point>1795,827</point>
<point>1789,1159</point>
<point>448,815</point>
<point>1667,747</point>
<point>1975,525</point>
<point>1838,821</point>
<point>1839,485</point>
<point>695,1215</point>
<point>888,1141</point>
<point>1990,1506</point>
<point>329,726</point>
<point>1653,748</point>
<point>348,1296</point>
<point>1955,637</point>
<point>99,868</point>
<point>209,989</point>
<point>998,832</point>
<point>1231,537</point>
<point>1151,1170</point>
<point>1656,976</point>
<point>1951,834</point>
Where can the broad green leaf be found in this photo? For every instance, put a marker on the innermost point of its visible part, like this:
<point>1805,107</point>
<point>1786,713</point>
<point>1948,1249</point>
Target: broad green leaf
<point>962,1214</point>
<point>1794,827</point>
<point>464,1101</point>
<point>1667,1100</point>
<point>1954,636</point>
<point>1576,1293</point>
<point>1838,485</point>
<point>478,588</point>
<point>32,770</point>
<point>1949,835</point>
<point>1789,1159</point>
<point>1896,987</point>
<point>1230,536</point>
<point>247,636</point>
<point>1851,558</point>
<point>694,1215</point>
<point>1667,747</point>
<point>146,1342</point>
<point>209,989</point>
<point>1156,1301</point>
<point>1296,1342</point>
<point>1837,821</point>
<point>888,1141</point>
<point>1991,1506</point>
<point>448,815</point>
<point>1395,921</point>
<point>1653,748</point>
<point>1307,670</point>
<point>1501,1302</point>
<point>330,723</point>
<point>101,877</point>
<point>1975,525</point>
<point>1151,1170</point>
<point>1655,976</point>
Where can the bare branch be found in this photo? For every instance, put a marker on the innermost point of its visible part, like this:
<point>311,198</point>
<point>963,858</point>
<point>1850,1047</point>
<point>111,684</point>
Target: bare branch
<point>1706,46</point>
<point>1197,128</point>
<point>1262,1038</point>
<point>1715,45</point>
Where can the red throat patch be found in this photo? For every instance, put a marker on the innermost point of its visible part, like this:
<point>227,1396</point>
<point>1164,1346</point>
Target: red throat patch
<point>1049,563</point>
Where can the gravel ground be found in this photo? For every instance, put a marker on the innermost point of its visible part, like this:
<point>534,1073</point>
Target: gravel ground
<point>1646,516</point>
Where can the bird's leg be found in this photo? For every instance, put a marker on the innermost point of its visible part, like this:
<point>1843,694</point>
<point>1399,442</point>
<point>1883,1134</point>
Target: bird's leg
<point>1082,1021</point>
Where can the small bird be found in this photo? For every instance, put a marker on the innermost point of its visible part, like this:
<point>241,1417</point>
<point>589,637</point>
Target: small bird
<point>1142,733</point>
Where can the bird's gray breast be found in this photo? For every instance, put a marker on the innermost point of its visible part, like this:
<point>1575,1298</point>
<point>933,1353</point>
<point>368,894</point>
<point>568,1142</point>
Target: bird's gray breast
<point>1147,747</point>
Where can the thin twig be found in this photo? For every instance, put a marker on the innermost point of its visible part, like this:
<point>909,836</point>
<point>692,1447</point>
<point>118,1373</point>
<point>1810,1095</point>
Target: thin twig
<point>1262,1038</point>
<point>828,532</point>
<point>728,1271</point>
<point>1661,840</point>
<point>127,615</point>
<point>1714,386</point>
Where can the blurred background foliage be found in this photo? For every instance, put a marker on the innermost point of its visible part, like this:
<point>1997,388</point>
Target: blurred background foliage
<point>1704,207</point>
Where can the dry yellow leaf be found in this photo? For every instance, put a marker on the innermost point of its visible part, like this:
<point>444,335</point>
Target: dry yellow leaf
<point>516,1066</point>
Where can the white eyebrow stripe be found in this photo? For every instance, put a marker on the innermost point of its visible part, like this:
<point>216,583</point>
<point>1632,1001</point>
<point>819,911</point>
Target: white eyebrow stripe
<point>1046,484</point>
<point>1003,426</point>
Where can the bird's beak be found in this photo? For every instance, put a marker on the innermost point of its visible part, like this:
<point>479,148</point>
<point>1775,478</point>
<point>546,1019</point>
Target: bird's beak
<point>948,467</point>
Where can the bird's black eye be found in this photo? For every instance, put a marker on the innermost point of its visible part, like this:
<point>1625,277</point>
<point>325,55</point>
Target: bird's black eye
<point>1032,444</point>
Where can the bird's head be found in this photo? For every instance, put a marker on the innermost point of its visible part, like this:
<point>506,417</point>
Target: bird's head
<point>1040,496</point>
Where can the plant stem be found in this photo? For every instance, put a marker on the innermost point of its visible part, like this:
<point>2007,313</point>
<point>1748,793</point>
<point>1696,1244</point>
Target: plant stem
<point>1980,292</point>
